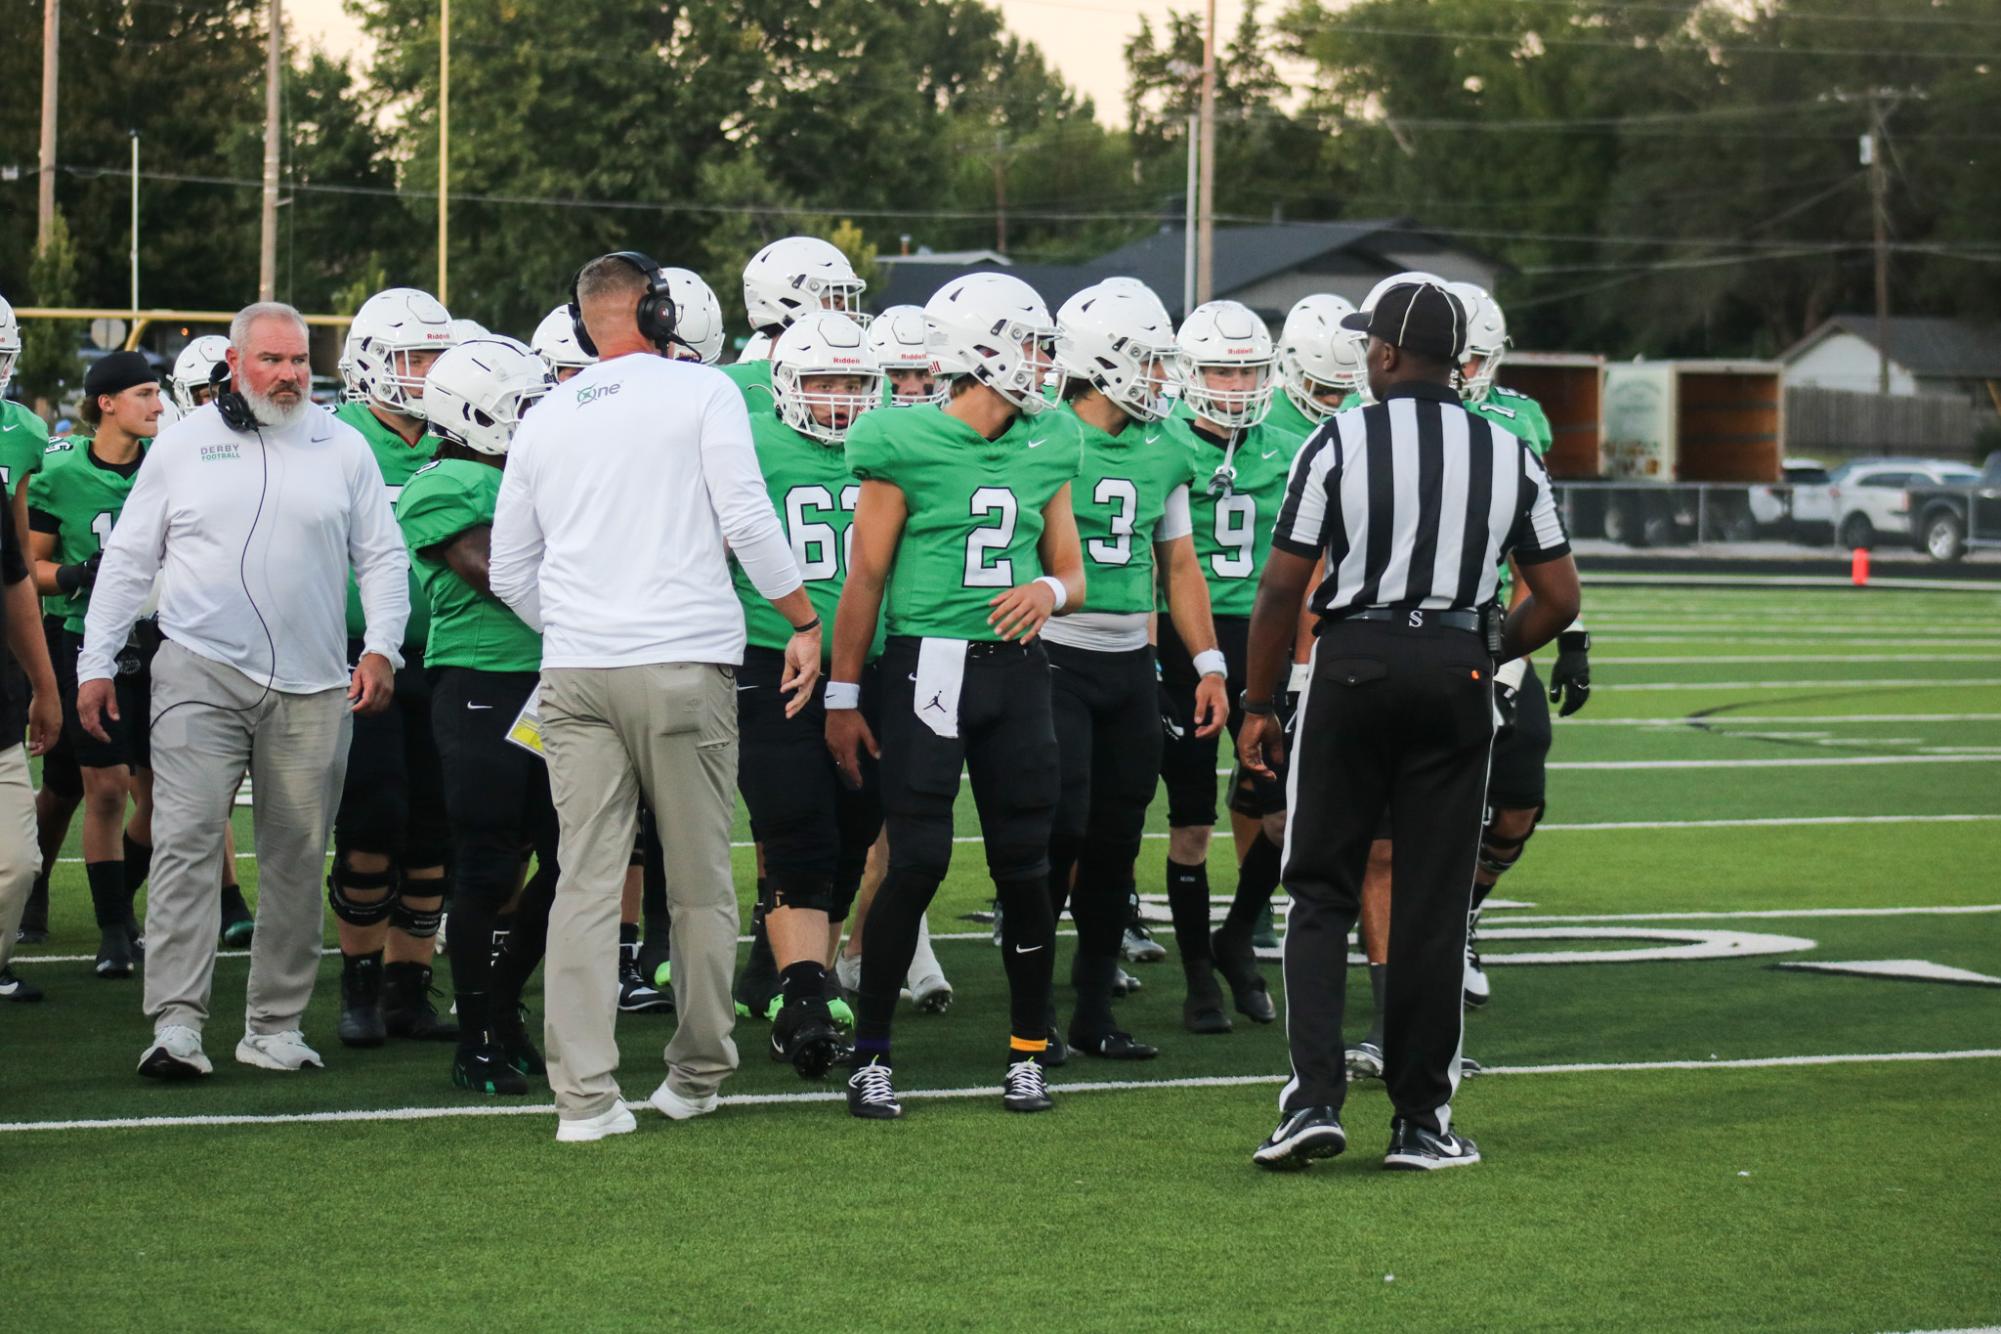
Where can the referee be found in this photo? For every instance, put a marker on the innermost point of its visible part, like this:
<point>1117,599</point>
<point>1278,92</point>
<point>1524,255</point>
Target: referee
<point>1414,503</point>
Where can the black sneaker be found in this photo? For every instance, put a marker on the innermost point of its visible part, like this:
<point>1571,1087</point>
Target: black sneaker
<point>1202,1011</point>
<point>1468,1067</point>
<point>804,1036</point>
<point>638,996</point>
<point>1057,1054</point>
<point>1301,1137</point>
<point>238,925</point>
<point>870,1095</point>
<point>1239,967</point>
<point>510,1030</point>
<point>1025,1088</point>
<point>1113,1046</point>
<point>1137,946</point>
<point>1415,1149</point>
<point>484,1067</point>
<point>14,989</point>
<point>34,928</point>
<point>1264,931</point>
<point>114,952</point>
<point>407,1011</point>
<point>361,1001</point>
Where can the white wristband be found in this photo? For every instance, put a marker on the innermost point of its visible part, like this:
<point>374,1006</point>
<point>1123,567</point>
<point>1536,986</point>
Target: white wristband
<point>1211,662</point>
<point>843,695</point>
<point>1056,587</point>
<point>1302,672</point>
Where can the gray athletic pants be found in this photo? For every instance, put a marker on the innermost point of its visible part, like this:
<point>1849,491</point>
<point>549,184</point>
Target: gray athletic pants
<point>667,731</point>
<point>20,857</point>
<point>295,748</point>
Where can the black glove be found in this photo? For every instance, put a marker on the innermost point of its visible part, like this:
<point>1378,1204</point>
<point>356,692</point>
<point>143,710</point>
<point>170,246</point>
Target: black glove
<point>72,579</point>
<point>1570,679</point>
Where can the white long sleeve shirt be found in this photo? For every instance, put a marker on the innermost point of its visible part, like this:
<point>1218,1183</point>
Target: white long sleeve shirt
<point>255,534</point>
<point>622,488</point>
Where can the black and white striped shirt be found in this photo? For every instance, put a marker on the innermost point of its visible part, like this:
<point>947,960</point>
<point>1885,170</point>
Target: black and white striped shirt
<point>1415,502</point>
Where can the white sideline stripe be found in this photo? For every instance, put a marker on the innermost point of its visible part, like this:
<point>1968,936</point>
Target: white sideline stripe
<point>1711,720</point>
<point>1696,660</point>
<point>1844,682</point>
<point>1754,581</point>
<point>982,1091</point>
<point>1823,761</point>
<point>1747,913</point>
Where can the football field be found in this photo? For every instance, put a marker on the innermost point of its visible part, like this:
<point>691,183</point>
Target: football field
<point>1743,1060</point>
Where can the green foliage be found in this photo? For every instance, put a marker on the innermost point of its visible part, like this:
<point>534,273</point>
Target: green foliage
<point>48,362</point>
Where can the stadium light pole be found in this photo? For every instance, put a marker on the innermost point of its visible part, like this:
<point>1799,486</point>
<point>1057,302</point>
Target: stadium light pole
<point>267,246</point>
<point>45,194</point>
<point>444,134</point>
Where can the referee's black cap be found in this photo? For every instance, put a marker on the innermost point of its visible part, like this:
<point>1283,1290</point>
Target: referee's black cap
<point>1419,317</point>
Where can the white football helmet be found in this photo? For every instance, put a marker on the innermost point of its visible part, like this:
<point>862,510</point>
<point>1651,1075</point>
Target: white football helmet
<point>1314,351</point>
<point>900,340</point>
<point>1486,338</point>
<point>464,330</point>
<point>1398,280</point>
<point>1225,333</point>
<point>555,341</point>
<point>823,342</point>
<point>350,384</point>
<point>993,327</point>
<point>1135,288</point>
<point>386,330</point>
<point>193,367</point>
<point>794,275</point>
<point>10,343</point>
<point>477,393</point>
<point>1120,341</point>
<point>756,348</point>
<point>698,316</point>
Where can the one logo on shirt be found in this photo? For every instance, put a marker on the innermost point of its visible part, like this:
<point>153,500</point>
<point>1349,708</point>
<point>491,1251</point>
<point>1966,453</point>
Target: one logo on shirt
<point>222,453</point>
<point>592,393</point>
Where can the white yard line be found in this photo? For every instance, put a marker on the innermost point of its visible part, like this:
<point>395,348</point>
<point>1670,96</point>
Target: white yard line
<point>1714,719</point>
<point>1845,683</point>
<point>1823,761</point>
<point>981,1091</point>
<point>1788,658</point>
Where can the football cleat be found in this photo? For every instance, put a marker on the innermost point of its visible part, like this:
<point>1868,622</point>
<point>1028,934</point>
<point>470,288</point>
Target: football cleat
<point>1025,1088</point>
<point>870,1095</point>
<point>1301,1137</point>
<point>1202,1010</point>
<point>1476,987</point>
<point>638,996</point>
<point>486,1067</point>
<point>361,1001</point>
<point>407,1011</point>
<point>1415,1149</point>
<point>1138,947</point>
<point>510,1030</point>
<point>114,952</point>
<point>238,925</point>
<point>1113,1046</point>
<point>1365,1061</point>
<point>1124,984</point>
<point>1264,932</point>
<point>13,988</point>
<point>1239,967</point>
<point>804,1037</point>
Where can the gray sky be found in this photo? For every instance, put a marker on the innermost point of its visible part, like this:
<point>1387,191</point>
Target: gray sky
<point>1084,39</point>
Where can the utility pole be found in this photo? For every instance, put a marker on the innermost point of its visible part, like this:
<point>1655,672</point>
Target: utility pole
<point>267,248</point>
<point>444,135</point>
<point>1000,192</point>
<point>1188,222</point>
<point>45,197</point>
<point>1205,245</point>
<point>135,222</point>
<point>1874,150</point>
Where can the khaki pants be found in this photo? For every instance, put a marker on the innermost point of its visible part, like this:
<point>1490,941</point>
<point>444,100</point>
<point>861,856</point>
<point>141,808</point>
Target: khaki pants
<point>295,747</point>
<point>20,857</point>
<point>612,734</point>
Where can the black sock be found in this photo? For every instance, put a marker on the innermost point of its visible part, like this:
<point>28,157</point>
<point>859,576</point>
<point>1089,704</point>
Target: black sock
<point>475,1015</point>
<point>1188,901</point>
<point>1257,877</point>
<point>628,944</point>
<point>1480,893</point>
<point>1028,947</point>
<point>107,892</point>
<point>892,940</point>
<point>804,981</point>
<point>1379,983</point>
<point>1091,975</point>
<point>36,913</point>
<point>138,865</point>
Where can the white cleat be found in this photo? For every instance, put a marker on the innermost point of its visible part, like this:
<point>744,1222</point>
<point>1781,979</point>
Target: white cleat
<point>175,1054</point>
<point>616,1119</point>
<point>278,1051</point>
<point>1365,1061</point>
<point>677,1108</point>
<point>931,995</point>
<point>848,973</point>
<point>1476,987</point>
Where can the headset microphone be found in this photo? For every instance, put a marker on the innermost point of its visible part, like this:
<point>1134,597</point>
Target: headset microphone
<point>233,406</point>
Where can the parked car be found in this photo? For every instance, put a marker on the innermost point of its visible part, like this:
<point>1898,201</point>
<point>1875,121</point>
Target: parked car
<point>1872,500</point>
<point>1948,519</point>
<point>1800,507</point>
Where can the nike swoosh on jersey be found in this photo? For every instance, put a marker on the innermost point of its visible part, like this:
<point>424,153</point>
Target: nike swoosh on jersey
<point>1269,454</point>
<point>1037,444</point>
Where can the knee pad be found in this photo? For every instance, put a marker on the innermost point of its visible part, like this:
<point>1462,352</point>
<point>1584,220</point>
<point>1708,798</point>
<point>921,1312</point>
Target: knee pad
<point>1498,852</point>
<point>344,881</point>
<point>419,923</point>
<point>809,892</point>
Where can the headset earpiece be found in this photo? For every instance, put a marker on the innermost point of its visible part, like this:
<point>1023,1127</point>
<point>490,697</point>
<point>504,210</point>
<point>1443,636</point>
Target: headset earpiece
<point>656,314</point>
<point>234,407</point>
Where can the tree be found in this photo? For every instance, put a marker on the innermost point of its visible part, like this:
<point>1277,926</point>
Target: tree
<point>48,362</point>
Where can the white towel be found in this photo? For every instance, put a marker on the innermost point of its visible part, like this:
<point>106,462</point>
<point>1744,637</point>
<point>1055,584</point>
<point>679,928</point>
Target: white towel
<point>941,671</point>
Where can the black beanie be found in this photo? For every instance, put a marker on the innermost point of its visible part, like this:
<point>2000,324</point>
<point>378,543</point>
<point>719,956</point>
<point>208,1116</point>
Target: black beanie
<point>115,372</point>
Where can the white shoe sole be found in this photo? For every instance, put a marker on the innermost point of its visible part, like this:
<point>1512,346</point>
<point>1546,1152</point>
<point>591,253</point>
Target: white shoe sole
<point>677,1108</point>
<point>254,1056</point>
<point>1316,1144</point>
<point>618,1121</point>
<point>933,995</point>
<point>186,1067</point>
<point>1424,1162</point>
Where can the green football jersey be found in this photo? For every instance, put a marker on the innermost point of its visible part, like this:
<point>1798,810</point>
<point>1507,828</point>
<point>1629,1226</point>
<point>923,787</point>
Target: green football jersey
<point>468,628</point>
<point>1233,530</point>
<point>1520,415</point>
<point>1285,418</point>
<point>974,510</point>
<point>754,379</point>
<point>815,496</point>
<point>78,498</point>
<point>399,461</point>
<point>24,438</point>
<point>1120,493</point>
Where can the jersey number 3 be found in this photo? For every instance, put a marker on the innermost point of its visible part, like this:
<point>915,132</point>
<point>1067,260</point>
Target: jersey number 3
<point>994,537</point>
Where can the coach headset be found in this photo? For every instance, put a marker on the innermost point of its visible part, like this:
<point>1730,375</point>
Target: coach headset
<point>656,314</point>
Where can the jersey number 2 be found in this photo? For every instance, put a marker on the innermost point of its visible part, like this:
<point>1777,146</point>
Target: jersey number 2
<point>991,500</point>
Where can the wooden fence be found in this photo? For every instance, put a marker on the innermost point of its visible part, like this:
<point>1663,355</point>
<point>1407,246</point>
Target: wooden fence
<point>1838,422</point>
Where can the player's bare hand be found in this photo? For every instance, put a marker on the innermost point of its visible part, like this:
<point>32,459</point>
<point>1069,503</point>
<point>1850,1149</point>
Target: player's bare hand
<point>1261,744</point>
<point>1022,611</point>
<point>802,670</point>
<point>848,735</point>
<point>96,701</point>
<point>1212,706</point>
<point>374,685</point>
<point>45,721</point>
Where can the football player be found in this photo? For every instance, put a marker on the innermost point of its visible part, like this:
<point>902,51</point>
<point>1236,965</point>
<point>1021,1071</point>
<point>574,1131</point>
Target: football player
<point>786,279</point>
<point>391,834</point>
<point>73,504</point>
<point>555,341</point>
<point>188,385</point>
<point>901,344</point>
<point>1226,366</point>
<point>698,317</point>
<point>487,664</point>
<point>814,830</point>
<point>1114,348</point>
<point>964,516</point>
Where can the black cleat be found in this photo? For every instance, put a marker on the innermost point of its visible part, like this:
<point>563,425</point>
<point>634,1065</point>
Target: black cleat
<point>510,1030</point>
<point>870,1095</point>
<point>1202,1011</point>
<point>1025,1088</point>
<point>238,925</point>
<point>1301,1137</point>
<point>114,952</point>
<point>484,1067</point>
<point>34,928</point>
<point>14,989</point>
<point>1057,1054</point>
<point>1415,1149</point>
<point>361,1001</point>
<point>804,1036</point>
<point>638,996</point>
<point>1113,1046</point>
<point>31,935</point>
<point>407,1011</point>
<point>1239,967</point>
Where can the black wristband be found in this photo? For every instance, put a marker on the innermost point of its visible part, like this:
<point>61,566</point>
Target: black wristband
<point>1266,707</point>
<point>71,578</point>
<point>813,624</point>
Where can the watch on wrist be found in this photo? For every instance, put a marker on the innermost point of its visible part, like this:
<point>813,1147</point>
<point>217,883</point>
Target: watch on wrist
<point>1262,705</point>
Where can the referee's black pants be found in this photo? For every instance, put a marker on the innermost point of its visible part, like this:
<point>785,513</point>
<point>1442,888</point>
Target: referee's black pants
<point>1396,719</point>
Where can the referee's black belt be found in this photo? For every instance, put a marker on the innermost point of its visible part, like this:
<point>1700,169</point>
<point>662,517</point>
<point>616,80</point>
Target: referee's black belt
<point>1417,618</point>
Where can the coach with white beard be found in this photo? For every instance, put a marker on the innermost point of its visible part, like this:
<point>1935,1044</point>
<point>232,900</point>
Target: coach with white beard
<point>254,508</point>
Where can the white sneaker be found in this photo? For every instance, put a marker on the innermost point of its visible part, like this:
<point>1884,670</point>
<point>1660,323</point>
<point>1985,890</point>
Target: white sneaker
<point>1476,988</point>
<point>848,972</point>
<point>175,1054</point>
<point>677,1108</point>
<point>278,1051</point>
<point>925,981</point>
<point>614,1120</point>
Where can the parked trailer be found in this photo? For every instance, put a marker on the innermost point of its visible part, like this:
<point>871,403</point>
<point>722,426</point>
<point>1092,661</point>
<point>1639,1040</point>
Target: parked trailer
<point>1570,386</point>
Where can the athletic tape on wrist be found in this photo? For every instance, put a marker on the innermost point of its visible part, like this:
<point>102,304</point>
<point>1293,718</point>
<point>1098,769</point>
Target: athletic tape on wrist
<point>1056,587</point>
<point>843,695</point>
<point>1302,672</point>
<point>1211,662</point>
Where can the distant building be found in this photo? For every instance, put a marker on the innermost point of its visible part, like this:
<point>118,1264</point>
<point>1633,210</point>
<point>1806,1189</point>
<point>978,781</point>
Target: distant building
<point>1928,356</point>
